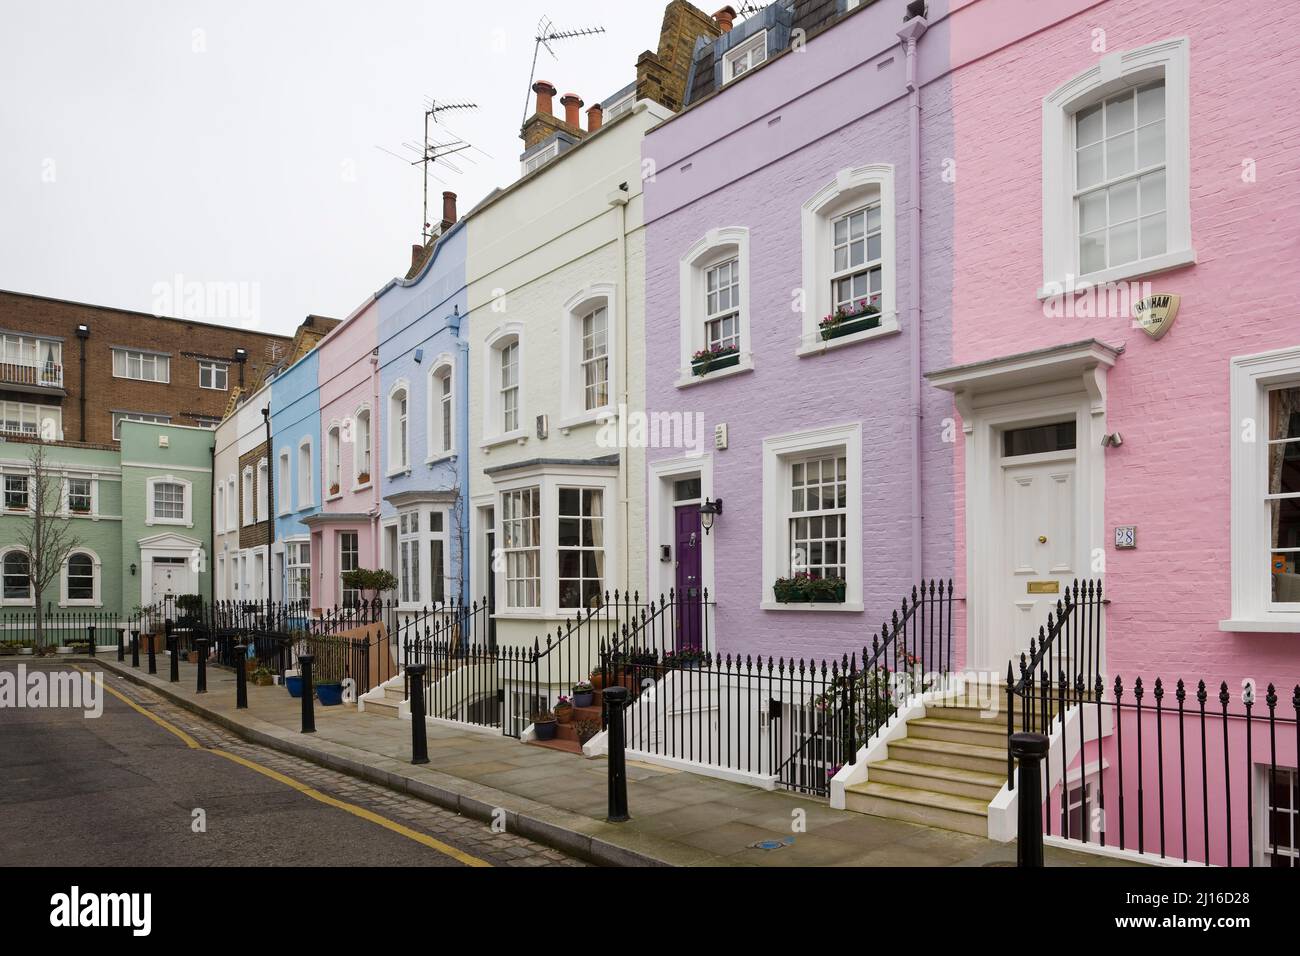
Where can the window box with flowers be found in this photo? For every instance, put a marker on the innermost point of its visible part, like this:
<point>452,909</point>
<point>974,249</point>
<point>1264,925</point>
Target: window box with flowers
<point>804,589</point>
<point>363,478</point>
<point>334,489</point>
<point>848,319</point>
<point>719,357</point>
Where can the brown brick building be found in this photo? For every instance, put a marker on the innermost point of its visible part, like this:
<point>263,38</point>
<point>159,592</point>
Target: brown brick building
<point>136,365</point>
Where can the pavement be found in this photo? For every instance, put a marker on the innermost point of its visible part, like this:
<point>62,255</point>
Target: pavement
<point>149,783</point>
<point>559,799</point>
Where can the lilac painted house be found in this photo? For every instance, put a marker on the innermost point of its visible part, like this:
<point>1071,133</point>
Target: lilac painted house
<point>787,315</point>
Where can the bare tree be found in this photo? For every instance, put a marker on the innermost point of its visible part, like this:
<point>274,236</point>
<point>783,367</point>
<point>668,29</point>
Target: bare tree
<point>46,536</point>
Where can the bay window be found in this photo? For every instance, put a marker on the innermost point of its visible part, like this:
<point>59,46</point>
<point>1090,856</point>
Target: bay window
<point>408,557</point>
<point>581,547</point>
<point>349,560</point>
<point>297,573</point>
<point>521,536</point>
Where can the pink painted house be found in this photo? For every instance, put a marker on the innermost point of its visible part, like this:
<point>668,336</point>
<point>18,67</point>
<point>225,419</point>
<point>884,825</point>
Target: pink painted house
<point>1104,154</point>
<point>344,532</point>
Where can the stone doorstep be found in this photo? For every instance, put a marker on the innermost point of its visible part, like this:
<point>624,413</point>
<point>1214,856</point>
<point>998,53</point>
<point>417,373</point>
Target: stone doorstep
<point>586,837</point>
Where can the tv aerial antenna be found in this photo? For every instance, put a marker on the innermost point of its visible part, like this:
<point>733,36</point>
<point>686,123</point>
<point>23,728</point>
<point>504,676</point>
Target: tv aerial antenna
<point>546,35</point>
<point>438,143</point>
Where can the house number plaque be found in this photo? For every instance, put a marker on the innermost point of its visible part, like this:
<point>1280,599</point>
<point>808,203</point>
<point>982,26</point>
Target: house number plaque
<point>1044,587</point>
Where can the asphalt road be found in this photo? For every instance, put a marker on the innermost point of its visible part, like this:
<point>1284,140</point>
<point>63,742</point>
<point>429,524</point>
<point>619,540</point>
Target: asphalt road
<point>123,790</point>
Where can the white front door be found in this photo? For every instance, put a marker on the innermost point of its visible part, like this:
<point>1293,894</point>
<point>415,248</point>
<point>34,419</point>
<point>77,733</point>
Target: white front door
<point>166,578</point>
<point>1040,535</point>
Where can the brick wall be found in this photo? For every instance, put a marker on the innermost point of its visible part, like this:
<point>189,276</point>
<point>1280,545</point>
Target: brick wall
<point>254,535</point>
<point>186,342</point>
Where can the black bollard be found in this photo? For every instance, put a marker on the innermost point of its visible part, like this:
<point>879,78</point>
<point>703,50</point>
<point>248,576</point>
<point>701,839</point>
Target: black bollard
<point>90,632</point>
<point>1029,750</point>
<point>202,686</point>
<point>135,649</point>
<point>174,667</point>
<point>308,693</point>
<point>419,741</point>
<point>153,654</point>
<point>121,644</point>
<point>616,699</point>
<point>241,678</point>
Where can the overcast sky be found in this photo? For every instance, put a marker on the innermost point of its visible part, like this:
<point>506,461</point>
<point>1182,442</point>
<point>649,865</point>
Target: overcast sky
<point>232,141</point>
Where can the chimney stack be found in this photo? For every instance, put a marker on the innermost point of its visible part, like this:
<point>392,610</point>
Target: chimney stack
<point>572,102</point>
<point>724,18</point>
<point>595,116</point>
<point>448,210</point>
<point>544,93</point>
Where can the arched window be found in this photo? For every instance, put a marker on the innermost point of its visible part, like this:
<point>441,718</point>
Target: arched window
<point>361,447</point>
<point>333,454</point>
<point>442,416</point>
<point>398,429</point>
<point>16,570</point>
<point>80,585</point>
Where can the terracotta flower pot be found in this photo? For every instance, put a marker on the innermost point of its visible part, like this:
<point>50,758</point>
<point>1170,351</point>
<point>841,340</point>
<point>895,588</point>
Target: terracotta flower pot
<point>563,715</point>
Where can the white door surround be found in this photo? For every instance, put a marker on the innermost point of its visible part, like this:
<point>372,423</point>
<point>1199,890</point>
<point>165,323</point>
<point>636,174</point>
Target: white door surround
<point>661,504</point>
<point>1034,388</point>
<point>185,577</point>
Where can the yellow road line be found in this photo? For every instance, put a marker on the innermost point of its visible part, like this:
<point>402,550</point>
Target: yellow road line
<point>362,812</point>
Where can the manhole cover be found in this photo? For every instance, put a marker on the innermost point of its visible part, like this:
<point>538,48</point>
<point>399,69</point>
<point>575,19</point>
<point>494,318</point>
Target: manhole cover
<point>772,844</point>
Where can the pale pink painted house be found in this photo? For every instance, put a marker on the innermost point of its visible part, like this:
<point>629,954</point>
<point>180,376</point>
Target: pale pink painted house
<point>1105,153</point>
<point>343,532</point>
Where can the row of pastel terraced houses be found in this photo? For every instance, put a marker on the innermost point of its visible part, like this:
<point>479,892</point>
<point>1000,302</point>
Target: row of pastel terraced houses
<point>828,301</point>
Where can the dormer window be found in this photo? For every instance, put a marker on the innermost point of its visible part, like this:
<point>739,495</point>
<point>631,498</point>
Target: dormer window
<point>744,57</point>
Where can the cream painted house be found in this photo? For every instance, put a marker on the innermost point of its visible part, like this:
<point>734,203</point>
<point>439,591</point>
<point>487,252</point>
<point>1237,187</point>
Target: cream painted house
<point>557,339</point>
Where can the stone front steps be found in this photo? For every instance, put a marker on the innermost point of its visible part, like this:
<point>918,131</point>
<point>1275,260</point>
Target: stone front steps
<point>943,773</point>
<point>387,704</point>
<point>566,735</point>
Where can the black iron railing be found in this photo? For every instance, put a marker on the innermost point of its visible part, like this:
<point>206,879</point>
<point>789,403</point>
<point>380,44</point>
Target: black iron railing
<point>1067,653</point>
<point>1179,772</point>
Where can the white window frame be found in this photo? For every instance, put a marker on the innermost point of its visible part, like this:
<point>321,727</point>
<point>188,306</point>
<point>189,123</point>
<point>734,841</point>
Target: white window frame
<point>146,417</point>
<point>219,507</point>
<point>779,452</point>
<point>97,592</point>
<point>580,548</point>
<point>26,353</point>
<point>851,189</point>
<point>212,368</point>
<point>232,503</point>
<point>187,501</point>
<point>439,445</point>
<point>284,482</point>
<point>573,402</point>
<point>262,480</point>
<point>28,492</point>
<point>713,248</point>
<point>248,496</point>
<point>306,497</point>
<point>23,412</point>
<point>399,430</point>
<point>495,342</point>
<point>1113,73</point>
<point>744,53</point>
<point>293,563</point>
<point>30,600</point>
<point>94,496</point>
<point>548,479</point>
<point>410,570</point>
<point>1250,380</point>
<point>161,360</point>
<point>1263,847</point>
<point>339,538</point>
<point>332,466</point>
<point>362,451</point>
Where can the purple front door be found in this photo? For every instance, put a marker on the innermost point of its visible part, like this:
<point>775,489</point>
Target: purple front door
<point>689,586</point>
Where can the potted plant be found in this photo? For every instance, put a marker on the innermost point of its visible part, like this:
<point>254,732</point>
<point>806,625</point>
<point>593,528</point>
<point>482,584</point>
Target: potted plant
<point>544,725</point>
<point>9,649</point>
<point>363,478</point>
<point>791,590</point>
<point>334,488</point>
<point>191,610</point>
<point>688,659</point>
<point>293,681</point>
<point>563,710</point>
<point>26,647</point>
<point>848,319</point>
<point>597,676</point>
<point>584,694</point>
<point>79,509</point>
<point>719,356</point>
<point>263,677</point>
<point>827,591</point>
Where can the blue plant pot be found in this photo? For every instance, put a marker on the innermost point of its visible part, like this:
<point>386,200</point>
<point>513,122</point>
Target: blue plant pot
<point>295,686</point>
<point>330,695</point>
<point>545,731</point>
<point>583,700</point>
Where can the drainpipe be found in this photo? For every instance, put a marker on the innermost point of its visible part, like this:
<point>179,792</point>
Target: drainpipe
<point>270,499</point>
<point>212,524</point>
<point>374,459</point>
<point>83,333</point>
<point>618,199</point>
<point>910,35</point>
<point>462,462</point>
